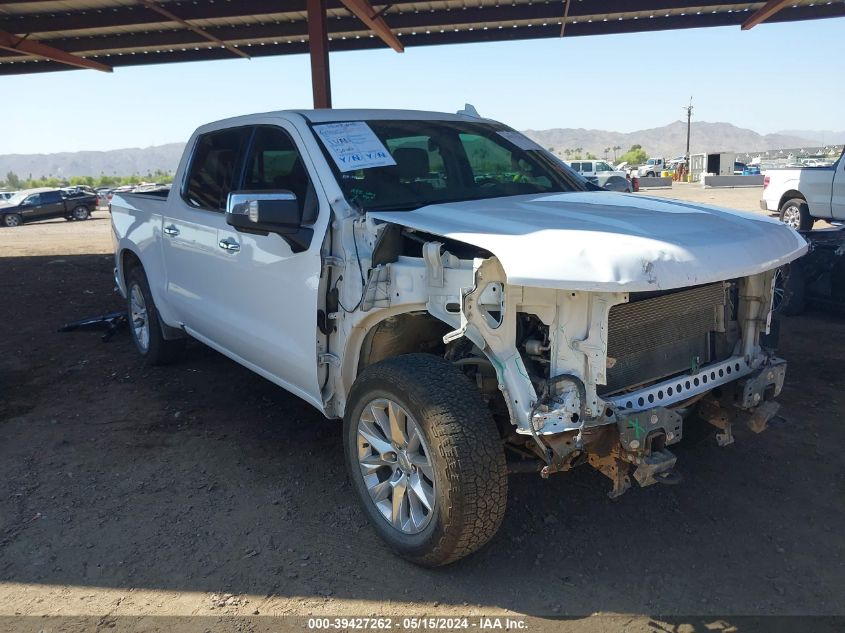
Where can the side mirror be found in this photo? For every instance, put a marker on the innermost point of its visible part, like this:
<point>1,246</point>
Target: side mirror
<point>264,211</point>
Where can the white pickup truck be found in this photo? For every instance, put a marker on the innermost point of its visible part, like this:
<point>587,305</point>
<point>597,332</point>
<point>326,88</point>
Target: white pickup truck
<point>652,168</point>
<point>602,174</point>
<point>461,299</point>
<point>803,195</point>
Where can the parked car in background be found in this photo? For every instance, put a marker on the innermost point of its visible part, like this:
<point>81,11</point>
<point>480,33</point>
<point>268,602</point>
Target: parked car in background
<point>802,195</point>
<point>454,320</point>
<point>817,279</point>
<point>103,196</point>
<point>652,167</point>
<point>5,195</point>
<point>41,204</point>
<point>74,190</point>
<point>739,168</point>
<point>602,173</point>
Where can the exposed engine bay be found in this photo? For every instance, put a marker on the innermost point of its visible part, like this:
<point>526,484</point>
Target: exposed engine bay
<point>571,376</point>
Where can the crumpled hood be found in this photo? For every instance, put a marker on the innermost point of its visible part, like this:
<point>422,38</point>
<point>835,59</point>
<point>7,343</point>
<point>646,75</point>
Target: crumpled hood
<point>607,241</point>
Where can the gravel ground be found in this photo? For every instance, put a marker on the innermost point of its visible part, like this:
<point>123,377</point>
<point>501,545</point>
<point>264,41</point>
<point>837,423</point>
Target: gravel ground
<point>201,489</point>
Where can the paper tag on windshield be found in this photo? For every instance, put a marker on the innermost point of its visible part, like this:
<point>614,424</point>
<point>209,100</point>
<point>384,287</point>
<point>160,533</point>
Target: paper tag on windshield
<point>353,145</point>
<point>520,140</point>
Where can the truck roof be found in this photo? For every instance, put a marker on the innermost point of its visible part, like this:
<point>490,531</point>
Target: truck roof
<point>336,115</point>
<point>329,116</point>
<point>38,190</point>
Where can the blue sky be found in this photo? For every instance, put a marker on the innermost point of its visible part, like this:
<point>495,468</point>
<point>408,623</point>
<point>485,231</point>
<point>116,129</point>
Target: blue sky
<point>774,77</point>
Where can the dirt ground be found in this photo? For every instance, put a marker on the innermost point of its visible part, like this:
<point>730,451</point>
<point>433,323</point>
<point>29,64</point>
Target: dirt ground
<point>201,489</point>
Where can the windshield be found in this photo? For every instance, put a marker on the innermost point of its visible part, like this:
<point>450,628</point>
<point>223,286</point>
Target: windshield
<point>17,198</point>
<point>450,161</point>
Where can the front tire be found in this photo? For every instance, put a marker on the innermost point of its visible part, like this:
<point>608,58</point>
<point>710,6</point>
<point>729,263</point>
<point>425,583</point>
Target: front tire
<point>425,459</point>
<point>12,220</point>
<point>145,323</point>
<point>81,213</point>
<point>796,213</point>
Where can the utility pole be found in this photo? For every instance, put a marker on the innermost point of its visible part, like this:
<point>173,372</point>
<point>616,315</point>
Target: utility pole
<point>689,120</point>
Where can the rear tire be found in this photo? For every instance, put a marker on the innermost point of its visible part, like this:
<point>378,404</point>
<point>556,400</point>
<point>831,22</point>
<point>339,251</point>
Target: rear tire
<point>12,220</point>
<point>458,459</point>
<point>81,213</point>
<point>796,213</point>
<point>145,323</point>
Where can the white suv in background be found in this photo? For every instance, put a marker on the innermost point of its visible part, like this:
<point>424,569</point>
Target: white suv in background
<point>602,173</point>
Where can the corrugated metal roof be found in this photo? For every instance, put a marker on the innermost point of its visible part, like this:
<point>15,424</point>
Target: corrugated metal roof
<point>126,32</point>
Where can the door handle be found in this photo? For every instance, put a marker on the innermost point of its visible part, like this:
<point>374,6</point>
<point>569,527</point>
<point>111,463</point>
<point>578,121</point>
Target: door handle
<point>171,230</point>
<point>229,245</point>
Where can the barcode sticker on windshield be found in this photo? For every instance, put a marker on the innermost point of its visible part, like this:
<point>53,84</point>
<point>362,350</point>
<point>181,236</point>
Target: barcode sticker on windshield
<point>353,145</point>
<point>520,140</point>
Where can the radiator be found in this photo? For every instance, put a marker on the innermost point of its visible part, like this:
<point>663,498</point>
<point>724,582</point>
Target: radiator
<point>654,338</point>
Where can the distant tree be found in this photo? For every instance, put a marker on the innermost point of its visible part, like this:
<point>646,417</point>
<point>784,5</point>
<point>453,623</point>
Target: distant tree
<point>576,153</point>
<point>591,156</point>
<point>616,148</point>
<point>607,151</point>
<point>567,152</point>
<point>635,156</point>
<point>12,181</point>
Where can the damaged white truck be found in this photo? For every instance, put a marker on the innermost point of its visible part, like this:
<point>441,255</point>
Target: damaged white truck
<point>464,301</point>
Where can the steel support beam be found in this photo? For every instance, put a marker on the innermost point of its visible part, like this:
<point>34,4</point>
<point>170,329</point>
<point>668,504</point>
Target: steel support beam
<point>18,44</point>
<point>154,6</point>
<point>363,10</point>
<point>764,13</point>
<point>318,47</point>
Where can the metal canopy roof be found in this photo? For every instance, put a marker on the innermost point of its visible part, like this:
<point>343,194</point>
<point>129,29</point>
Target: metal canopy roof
<point>47,35</point>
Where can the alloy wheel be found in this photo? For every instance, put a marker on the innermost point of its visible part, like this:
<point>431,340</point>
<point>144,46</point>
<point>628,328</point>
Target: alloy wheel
<point>138,316</point>
<point>396,466</point>
<point>792,216</point>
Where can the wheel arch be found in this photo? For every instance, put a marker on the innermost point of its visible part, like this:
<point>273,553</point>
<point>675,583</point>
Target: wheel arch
<point>379,336</point>
<point>127,260</point>
<point>789,195</point>
<point>385,334</point>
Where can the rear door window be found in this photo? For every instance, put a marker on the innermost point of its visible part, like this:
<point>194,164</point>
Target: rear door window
<point>215,168</point>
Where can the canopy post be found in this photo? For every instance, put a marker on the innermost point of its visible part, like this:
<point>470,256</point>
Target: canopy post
<point>318,47</point>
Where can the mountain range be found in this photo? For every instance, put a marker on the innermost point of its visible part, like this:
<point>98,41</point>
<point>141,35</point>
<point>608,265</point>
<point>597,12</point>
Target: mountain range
<point>116,162</point>
<point>668,141</point>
